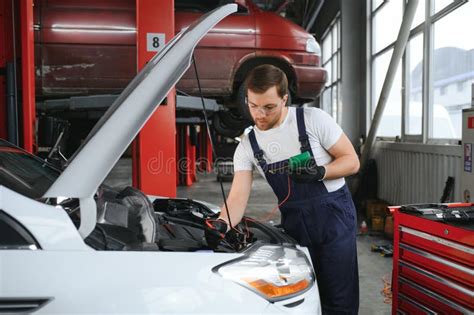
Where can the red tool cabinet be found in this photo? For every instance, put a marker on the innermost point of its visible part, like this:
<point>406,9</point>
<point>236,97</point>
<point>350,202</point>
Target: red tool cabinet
<point>433,265</point>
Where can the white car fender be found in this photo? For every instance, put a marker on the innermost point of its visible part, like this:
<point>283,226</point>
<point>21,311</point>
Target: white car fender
<point>50,226</point>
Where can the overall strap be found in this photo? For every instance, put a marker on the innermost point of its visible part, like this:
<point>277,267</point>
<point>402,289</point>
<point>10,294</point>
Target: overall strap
<point>303,136</point>
<point>257,152</point>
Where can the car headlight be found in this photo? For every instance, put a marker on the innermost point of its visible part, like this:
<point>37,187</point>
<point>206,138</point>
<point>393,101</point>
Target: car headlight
<point>274,272</point>
<point>312,46</point>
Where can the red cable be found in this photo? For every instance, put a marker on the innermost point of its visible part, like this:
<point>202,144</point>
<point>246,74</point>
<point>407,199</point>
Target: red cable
<point>272,213</point>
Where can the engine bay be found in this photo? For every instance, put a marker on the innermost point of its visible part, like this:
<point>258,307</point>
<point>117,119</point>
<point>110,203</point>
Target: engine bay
<point>126,219</point>
<point>182,222</point>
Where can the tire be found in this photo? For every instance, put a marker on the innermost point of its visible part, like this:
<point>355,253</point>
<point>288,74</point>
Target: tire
<point>232,119</point>
<point>242,106</point>
<point>224,130</point>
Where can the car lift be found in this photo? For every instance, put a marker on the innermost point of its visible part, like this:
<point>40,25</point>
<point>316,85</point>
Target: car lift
<point>155,152</point>
<point>194,151</point>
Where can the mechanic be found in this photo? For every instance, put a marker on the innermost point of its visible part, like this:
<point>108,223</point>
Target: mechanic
<point>315,204</point>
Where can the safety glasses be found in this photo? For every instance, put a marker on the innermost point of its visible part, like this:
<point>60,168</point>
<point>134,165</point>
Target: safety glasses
<point>266,109</point>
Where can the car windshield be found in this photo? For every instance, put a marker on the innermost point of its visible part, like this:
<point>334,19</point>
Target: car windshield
<point>23,172</point>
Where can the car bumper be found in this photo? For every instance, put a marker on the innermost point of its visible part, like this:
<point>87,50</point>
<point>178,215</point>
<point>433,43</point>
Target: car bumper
<point>308,303</point>
<point>310,81</point>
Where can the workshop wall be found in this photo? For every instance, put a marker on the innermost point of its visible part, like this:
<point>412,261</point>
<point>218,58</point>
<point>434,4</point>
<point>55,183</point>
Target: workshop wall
<point>416,173</point>
<point>353,70</point>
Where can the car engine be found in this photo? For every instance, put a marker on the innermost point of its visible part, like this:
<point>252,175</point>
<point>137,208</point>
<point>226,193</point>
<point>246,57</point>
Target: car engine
<point>178,225</point>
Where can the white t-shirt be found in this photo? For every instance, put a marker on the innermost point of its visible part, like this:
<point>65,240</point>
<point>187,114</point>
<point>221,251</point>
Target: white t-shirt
<point>282,142</point>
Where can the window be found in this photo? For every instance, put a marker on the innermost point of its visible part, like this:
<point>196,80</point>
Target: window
<point>441,4</point>
<point>438,63</point>
<point>331,58</point>
<point>453,65</point>
<point>390,124</point>
<point>420,14</point>
<point>383,36</point>
<point>413,114</point>
<point>376,3</point>
<point>13,235</point>
<point>442,90</point>
<point>386,23</point>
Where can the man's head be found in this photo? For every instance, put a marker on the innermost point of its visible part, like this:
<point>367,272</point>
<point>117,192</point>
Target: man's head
<point>267,93</point>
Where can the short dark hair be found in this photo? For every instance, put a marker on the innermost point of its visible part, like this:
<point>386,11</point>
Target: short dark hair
<point>263,77</point>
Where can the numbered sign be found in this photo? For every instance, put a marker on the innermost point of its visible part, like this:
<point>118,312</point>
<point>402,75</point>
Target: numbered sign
<point>155,41</point>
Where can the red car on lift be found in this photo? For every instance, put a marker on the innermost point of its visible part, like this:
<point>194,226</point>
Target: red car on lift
<point>88,47</point>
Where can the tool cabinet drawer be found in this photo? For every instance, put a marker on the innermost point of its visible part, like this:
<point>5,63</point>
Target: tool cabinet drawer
<point>440,246</point>
<point>449,269</point>
<point>407,305</point>
<point>429,299</point>
<point>438,284</point>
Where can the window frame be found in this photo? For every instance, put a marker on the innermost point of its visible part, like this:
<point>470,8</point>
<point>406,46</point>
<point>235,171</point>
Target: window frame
<point>336,76</point>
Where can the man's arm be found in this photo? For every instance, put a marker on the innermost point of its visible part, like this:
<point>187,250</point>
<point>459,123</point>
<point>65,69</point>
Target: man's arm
<point>238,197</point>
<point>345,161</point>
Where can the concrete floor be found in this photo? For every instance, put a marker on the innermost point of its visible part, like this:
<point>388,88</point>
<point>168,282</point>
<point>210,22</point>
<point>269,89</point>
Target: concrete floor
<point>373,268</point>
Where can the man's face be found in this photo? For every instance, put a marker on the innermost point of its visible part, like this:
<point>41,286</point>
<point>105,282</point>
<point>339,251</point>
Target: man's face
<point>266,108</point>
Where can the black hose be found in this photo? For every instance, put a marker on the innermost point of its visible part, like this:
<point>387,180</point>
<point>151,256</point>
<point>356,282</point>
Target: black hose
<point>214,155</point>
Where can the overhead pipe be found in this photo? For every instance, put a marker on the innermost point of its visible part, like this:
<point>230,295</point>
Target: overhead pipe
<point>314,15</point>
<point>12,108</point>
<point>398,51</point>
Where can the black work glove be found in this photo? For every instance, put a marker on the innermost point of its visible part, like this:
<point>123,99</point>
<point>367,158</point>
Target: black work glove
<point>237,238</point>
<point>214,232</point>
<point>308,173</point>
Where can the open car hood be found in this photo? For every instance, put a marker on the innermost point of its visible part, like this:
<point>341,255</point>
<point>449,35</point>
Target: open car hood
<point>123,120</point>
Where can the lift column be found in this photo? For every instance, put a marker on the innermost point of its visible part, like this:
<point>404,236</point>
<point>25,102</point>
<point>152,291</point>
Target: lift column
<point>6,52</point>
<point>28,74</point>
<point>17,44</point>
<point>154,149</point>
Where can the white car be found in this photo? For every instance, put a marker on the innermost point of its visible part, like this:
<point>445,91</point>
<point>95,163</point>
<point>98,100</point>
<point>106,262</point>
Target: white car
<point>71,245</point>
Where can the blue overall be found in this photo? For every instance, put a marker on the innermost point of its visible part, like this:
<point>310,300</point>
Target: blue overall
<point>323,221</point>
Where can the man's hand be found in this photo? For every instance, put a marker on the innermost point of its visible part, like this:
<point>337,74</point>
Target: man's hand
<point>214,232</point>
<point>238,197</point>
<point>310,172</point>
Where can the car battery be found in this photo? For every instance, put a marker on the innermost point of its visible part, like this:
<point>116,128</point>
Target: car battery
<point>433,259</point>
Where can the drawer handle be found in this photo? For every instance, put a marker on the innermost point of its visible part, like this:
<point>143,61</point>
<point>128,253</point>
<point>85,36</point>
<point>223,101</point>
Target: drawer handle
<point>436,258</point>
<point>434,295</point>
<point>438,279</point>
<point>417,304</point>
<point>439,240</point>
